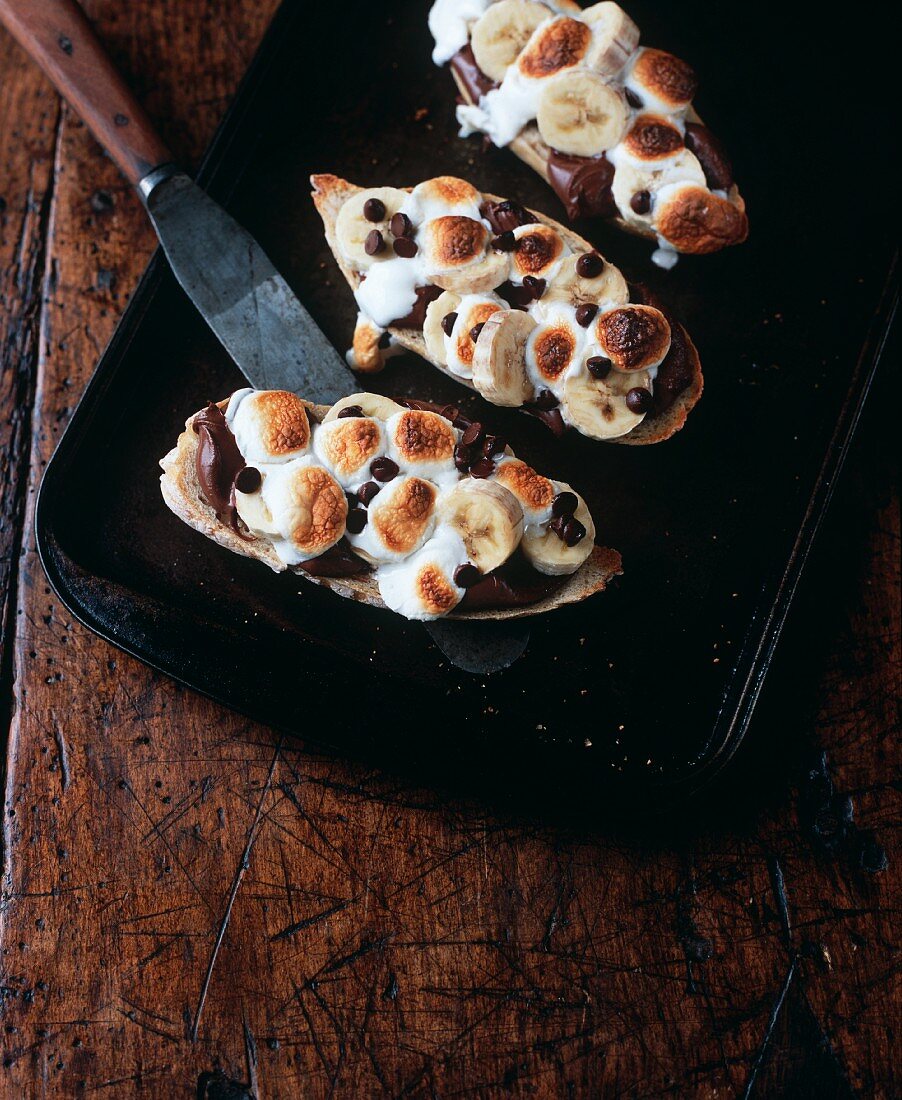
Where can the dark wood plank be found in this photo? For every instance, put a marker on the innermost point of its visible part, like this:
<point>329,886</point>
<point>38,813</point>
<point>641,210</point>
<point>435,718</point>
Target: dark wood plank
<point>188,902</point>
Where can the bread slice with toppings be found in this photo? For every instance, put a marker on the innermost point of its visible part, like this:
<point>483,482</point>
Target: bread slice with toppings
<point>512,304</point>
<point>608,123</point>
<point>427,534</point>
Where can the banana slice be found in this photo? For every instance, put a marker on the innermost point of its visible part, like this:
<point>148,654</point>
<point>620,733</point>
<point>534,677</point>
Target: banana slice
<point>598,408</point>
<point>614,37</point>
<point>499,371</point>
<point>473,311</point>
<point>369,404</point>
<point>578,113</point>
<point>604,290</point>
<point>563,545</point>
<point>433,332</point>
<point>356,221</point>
<point>255,513</point>
<point>457,256</point>
<point>499,36</point>
<point>487,517</point>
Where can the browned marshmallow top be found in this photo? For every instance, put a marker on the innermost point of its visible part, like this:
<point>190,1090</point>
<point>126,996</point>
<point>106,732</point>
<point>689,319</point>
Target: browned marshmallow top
<point>560,45</point>
<point>633,337</point>
<point>402,519</point>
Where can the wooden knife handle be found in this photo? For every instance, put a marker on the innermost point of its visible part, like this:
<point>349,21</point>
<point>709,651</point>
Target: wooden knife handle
<point>59,37</point>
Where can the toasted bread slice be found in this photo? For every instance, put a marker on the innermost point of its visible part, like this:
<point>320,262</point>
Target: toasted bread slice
<point>182,494</point>
<point>329,195</point>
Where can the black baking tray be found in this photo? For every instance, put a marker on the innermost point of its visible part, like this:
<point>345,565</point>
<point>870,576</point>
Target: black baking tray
<point>640,694</point>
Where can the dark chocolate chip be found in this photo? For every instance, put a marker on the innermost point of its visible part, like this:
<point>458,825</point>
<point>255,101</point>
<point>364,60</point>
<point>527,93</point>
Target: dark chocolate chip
<point>641,202</point>
<point>367,491</point>
<point>400,225</point>
<point>248,480</point>
<point>465,576</point>
<point>351,410</point>
<point>493,445</point>
<point>545,399</point>
<point>590,265</point>
<point>404,247</point>
<point>385,340</point>
<point>585,313</point>
<point>374,243</point>
<point>356,521</point>
<point>598,366</point>
<point>632,99</point>
<point>472,434</point>
<point>536,287</point>
<point>573,532</point>
<point>506,215</point>
<point>374,210</point>
<point>475,331</point>
<point>484,467</point>
<point>463,456</point>
<point>448,323</point>
<point>639,400</point>
<point>564,504</point>
<point>383,469</point>
<point>450,412</point>
<point>505,242</point>
<point>557,525</point>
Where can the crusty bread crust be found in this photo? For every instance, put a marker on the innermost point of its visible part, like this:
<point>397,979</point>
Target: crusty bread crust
<point>329,195</point>
<point>532,150</point>
<point>181,492</point>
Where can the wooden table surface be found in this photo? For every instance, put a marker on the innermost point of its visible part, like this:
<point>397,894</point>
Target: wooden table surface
<point>192,907</point>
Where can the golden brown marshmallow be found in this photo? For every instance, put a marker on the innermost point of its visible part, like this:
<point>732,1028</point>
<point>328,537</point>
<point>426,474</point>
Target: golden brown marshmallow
<point>421,436</point>
<point>350,443</point>
<point>465,345</point>
<point>454,241</point>
<point>538,248</point>
<point>667,77</point>
<point>652,138</point>
<point>534,492</point>
<point>633,337</point>
<point>560,45</point>
<point>401,520</point>
<point>696,221</point>
<point>553,349</point>
<point>319,510</point>
<point>439,596</point>
<point>451,191</point>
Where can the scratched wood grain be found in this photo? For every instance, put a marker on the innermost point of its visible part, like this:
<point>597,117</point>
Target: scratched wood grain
<point>192,907</point>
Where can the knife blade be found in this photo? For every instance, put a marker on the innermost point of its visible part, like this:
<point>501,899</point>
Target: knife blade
<point>237,290</point>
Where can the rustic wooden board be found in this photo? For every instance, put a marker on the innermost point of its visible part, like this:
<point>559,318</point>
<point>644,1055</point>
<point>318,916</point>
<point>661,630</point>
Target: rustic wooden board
<point>193,907</point>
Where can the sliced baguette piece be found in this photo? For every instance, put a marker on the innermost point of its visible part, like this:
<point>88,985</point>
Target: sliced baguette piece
<point>329,195</point>
<point>182,495</point>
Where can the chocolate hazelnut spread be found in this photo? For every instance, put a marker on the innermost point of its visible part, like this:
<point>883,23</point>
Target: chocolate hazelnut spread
<point>506,215</point>
<point>217,463</point>
<point>338,561</point>
<point>513,584</point>
<point>464,66</point>
<point>583,184</point>
<point>711,156</point>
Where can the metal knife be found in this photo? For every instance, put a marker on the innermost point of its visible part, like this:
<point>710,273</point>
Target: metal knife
<point>249,306</point>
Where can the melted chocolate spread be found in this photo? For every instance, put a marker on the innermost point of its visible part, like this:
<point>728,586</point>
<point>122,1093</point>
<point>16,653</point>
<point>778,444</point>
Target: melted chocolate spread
<point>417,316</point>
<point>675,373</point>
<point>583,184</point>
<point>470,75</point>
<point>513,584</point>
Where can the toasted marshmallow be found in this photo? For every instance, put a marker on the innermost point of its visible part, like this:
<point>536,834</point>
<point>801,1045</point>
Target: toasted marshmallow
<point>307,507</point>
<point>661,81</point>
<point>268,425</point>
<point>347,446</point>
<point>422,443</point>
<point>441,196</point>
<point>653,139</point>
<point>534,492</point>
<point>631,178</point>
<point>399,520</point>
<point>452,242</point>
<point>423,586</point>
<point>555,45</point>
<point>633,337</point>
<point>472,310</point>
<point>693,219</point>
<point>554,350</point>
<point>538,252</point>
